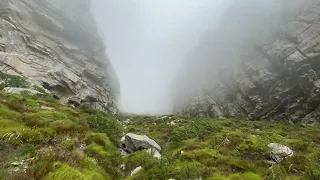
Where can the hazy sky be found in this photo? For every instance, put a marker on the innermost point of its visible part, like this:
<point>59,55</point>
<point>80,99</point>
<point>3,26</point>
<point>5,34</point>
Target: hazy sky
<point>147,41</point>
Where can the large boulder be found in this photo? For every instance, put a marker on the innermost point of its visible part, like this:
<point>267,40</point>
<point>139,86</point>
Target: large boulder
<point>279,152</point>
<point>133,142</point>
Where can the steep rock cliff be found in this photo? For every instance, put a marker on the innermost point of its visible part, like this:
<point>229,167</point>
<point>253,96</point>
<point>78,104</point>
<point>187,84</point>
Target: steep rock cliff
<point>256,66</point>
<point>55,44</point>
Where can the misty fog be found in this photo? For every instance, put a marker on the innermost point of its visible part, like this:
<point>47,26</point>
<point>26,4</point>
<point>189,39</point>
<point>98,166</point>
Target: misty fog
<point>147,41</point>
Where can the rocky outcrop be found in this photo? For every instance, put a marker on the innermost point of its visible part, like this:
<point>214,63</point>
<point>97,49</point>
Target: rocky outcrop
<point>271,73</point>
<point>55,44</point>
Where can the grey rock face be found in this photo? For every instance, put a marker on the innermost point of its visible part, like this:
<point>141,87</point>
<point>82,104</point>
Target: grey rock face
<point>56,45</point>
<point>272,76</point>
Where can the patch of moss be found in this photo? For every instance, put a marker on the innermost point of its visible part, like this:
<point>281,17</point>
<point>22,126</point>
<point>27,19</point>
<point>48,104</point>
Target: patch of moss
<point>66,172</point>
<point>9,126</point>
<point>8,114</point>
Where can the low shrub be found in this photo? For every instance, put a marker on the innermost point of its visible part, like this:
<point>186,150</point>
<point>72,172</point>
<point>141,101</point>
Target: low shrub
<point>63,126</point>
<point>106,124</point>
<point>32,136</point>
<point>13,81</point>
<point>28,150</point>
<point>8,114</point>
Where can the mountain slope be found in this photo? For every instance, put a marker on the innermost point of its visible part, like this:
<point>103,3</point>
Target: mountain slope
<point>255,68</point>
<point>55,44</point>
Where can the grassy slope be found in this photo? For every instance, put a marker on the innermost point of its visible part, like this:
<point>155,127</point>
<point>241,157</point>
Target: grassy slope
<point>26,130</point>
<point>193,148</point>
<point>198,148</point>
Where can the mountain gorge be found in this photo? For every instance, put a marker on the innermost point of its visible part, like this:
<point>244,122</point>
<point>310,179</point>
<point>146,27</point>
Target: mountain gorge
<point>266,70</point>
<point>246,98</point>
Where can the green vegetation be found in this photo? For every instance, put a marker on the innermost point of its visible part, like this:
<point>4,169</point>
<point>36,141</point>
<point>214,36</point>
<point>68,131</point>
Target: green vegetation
<point>7,80</point>
<point>63,142</point>
<point>50,140</point>
<point>224,149</point>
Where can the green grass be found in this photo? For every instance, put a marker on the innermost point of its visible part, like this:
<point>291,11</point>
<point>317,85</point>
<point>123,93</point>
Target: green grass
<point>89,172</point>
<point>26,130</point>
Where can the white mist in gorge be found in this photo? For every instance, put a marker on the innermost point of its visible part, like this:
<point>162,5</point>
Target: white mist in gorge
<point>147,41</point>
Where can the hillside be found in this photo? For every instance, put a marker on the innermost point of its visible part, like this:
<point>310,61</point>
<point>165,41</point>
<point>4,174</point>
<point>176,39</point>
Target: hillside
<point>43,139</point>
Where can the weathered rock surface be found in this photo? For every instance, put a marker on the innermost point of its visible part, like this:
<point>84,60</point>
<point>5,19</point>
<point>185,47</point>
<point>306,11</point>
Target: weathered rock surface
<point>56,45</point>
<point>268,73</point>
<point>279,152</point>
<point>133,142</point>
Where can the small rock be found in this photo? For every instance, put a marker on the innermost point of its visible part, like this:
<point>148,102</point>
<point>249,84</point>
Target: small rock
<point>154,152</point>
<point>127,121</point>
<point>122,166</point>
<point>15,164</point>
<point>123,153</point>
<point>226,141</point>
<point>172,123</point>
<point>279,152</point>
<point>46,108</point>
<point>136,170</point>
<point>81,146</point>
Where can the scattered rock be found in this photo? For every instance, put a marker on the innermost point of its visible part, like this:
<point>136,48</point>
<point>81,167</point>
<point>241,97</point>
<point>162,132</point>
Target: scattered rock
<point>14,90</point>
<point>47,108</point>
<point>172,123</point>
<point>52,141</point>
<point>226,141</point>
<point>81,145</point>
<point>279,152</point>
<point>136,170</point>
<point>21,165</point>
<point>127,121</point>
